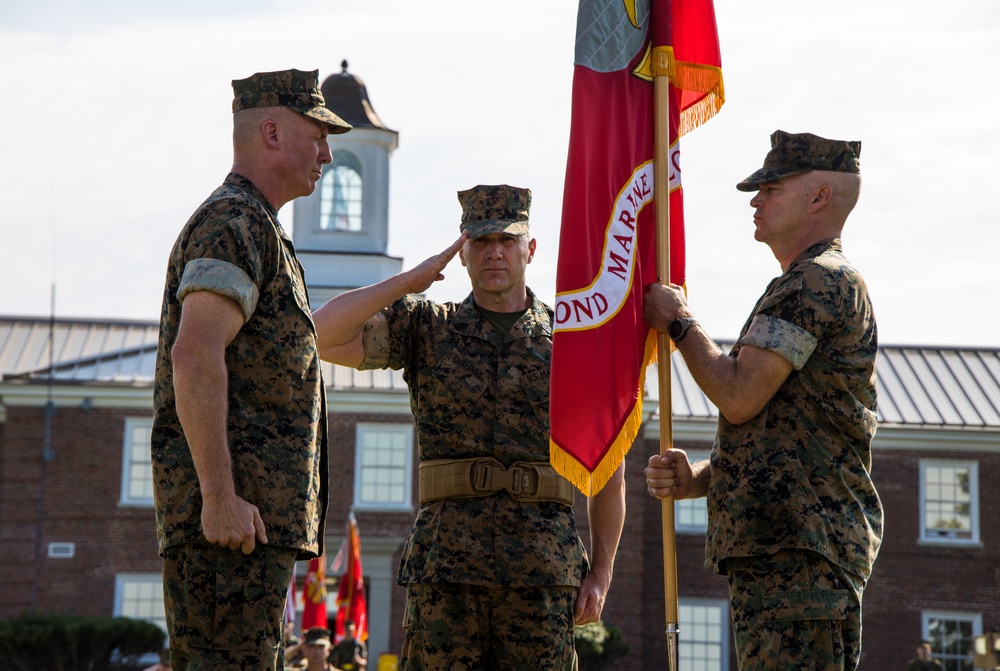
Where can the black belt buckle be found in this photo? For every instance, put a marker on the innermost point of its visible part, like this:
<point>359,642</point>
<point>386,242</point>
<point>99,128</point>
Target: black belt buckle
<point>518,479</point>
<point>480,476</point>
<point>524,480</point>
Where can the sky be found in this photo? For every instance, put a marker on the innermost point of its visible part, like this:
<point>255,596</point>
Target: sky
<point>117,125</point>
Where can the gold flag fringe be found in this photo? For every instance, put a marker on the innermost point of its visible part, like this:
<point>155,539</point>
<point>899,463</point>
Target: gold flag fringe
<point>570,467</point>
<point>698,77</point>
<point>707,79</point>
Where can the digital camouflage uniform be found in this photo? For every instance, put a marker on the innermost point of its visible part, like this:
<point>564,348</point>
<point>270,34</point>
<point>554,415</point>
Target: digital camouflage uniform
<point>233,245</point>
<point>475,393</point>
<point>795,520</point>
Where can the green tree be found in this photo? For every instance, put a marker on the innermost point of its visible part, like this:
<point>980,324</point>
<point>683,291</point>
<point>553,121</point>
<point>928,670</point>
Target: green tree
<point>598,646</point>
<point>59,642</point>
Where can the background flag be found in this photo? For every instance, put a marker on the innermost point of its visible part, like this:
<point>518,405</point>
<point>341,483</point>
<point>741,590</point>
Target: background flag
<point>314,596</point>
<point>607,252</point>
<point>351,595</point>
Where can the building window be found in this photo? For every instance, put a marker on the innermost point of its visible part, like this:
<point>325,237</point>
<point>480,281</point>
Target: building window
<point>949,501</point>
<point>383,466</point>
<point>137,471</point>
<point>952,637</point>
<point>340,194</point>
<point>140,597</point>
<point>705,635</point>
<point>691,515</point>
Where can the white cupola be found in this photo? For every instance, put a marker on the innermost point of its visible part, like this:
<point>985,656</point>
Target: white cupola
<point>341,231</point>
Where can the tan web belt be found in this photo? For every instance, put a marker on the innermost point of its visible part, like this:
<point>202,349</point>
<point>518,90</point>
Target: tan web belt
<point>482,476</point>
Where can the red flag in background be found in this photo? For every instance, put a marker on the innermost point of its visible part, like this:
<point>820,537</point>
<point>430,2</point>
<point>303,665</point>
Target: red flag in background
<point>607,252</point>
<point>351,595</point>
<point>314,596</point>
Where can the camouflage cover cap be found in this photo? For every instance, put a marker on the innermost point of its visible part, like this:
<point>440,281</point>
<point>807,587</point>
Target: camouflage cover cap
<point>316,636</point>
<point>494,209</point>
<point>794,153</point>
<point>287,88</point>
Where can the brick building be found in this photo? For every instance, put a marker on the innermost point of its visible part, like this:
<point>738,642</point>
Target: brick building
<point>77,533</point>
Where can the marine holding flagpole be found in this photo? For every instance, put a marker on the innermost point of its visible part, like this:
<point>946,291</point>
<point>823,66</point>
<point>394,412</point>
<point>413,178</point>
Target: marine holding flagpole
<point>795,522</point>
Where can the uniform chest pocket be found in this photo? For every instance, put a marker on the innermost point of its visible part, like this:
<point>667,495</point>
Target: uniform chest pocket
<point>455,388</point>
<point>534,384</point>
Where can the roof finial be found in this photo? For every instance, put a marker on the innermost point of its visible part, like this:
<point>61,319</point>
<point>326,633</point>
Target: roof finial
<point>343,64</point>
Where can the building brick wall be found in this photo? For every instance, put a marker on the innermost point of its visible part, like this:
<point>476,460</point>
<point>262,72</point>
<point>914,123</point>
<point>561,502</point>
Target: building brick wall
<point>80,490</point>
<point>910,576</point>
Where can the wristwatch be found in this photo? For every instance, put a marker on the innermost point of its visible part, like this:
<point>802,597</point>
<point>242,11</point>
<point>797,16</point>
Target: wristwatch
<point>679,328</point>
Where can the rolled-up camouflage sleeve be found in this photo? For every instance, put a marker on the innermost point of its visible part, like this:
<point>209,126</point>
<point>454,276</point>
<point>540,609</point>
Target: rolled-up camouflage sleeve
<point>389,336</point>
<point>782,337</point>
<point>221,277</point>
<point>375,338</point>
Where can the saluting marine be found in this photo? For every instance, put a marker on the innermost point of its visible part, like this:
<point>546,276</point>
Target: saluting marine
<point>494,545</point>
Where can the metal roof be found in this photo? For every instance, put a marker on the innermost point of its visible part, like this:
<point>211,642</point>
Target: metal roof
<point>918,386</point>
<point>121,352</point>
<point>943,387</point>
<point>25,345</point>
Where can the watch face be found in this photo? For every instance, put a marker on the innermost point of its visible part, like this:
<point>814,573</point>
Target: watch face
<point>675,329</point>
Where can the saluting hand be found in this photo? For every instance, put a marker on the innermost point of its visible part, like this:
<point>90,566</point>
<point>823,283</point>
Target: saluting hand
<point>419,278</point>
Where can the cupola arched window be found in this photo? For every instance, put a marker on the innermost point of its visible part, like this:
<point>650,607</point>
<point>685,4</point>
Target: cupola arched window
<point>340,194</point>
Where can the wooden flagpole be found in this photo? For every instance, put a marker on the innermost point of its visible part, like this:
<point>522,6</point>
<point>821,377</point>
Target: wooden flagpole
<point>661,198</point>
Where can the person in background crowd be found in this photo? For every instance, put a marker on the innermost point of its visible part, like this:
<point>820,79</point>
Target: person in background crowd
<point>924,661</point>
<point>350,654</point>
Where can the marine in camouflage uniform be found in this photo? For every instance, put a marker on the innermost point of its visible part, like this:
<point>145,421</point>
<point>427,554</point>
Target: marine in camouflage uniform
<point>224,606</point>
<point>795,521</point>
<point>492,581</point>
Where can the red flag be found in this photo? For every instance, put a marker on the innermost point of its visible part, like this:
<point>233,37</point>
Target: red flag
<point>607,252</point>
<point>351,595</point>
<point>314,596</point>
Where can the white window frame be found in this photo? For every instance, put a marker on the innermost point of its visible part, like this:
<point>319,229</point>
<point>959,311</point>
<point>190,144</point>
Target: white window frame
<point>154,584</point>
<point>693,642</point>
<point>942,536</point>
<point>126,499</point>
<point>686,508</point>
<point>404,429</point>
<point>352,201</point>
<point>950,661</point>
